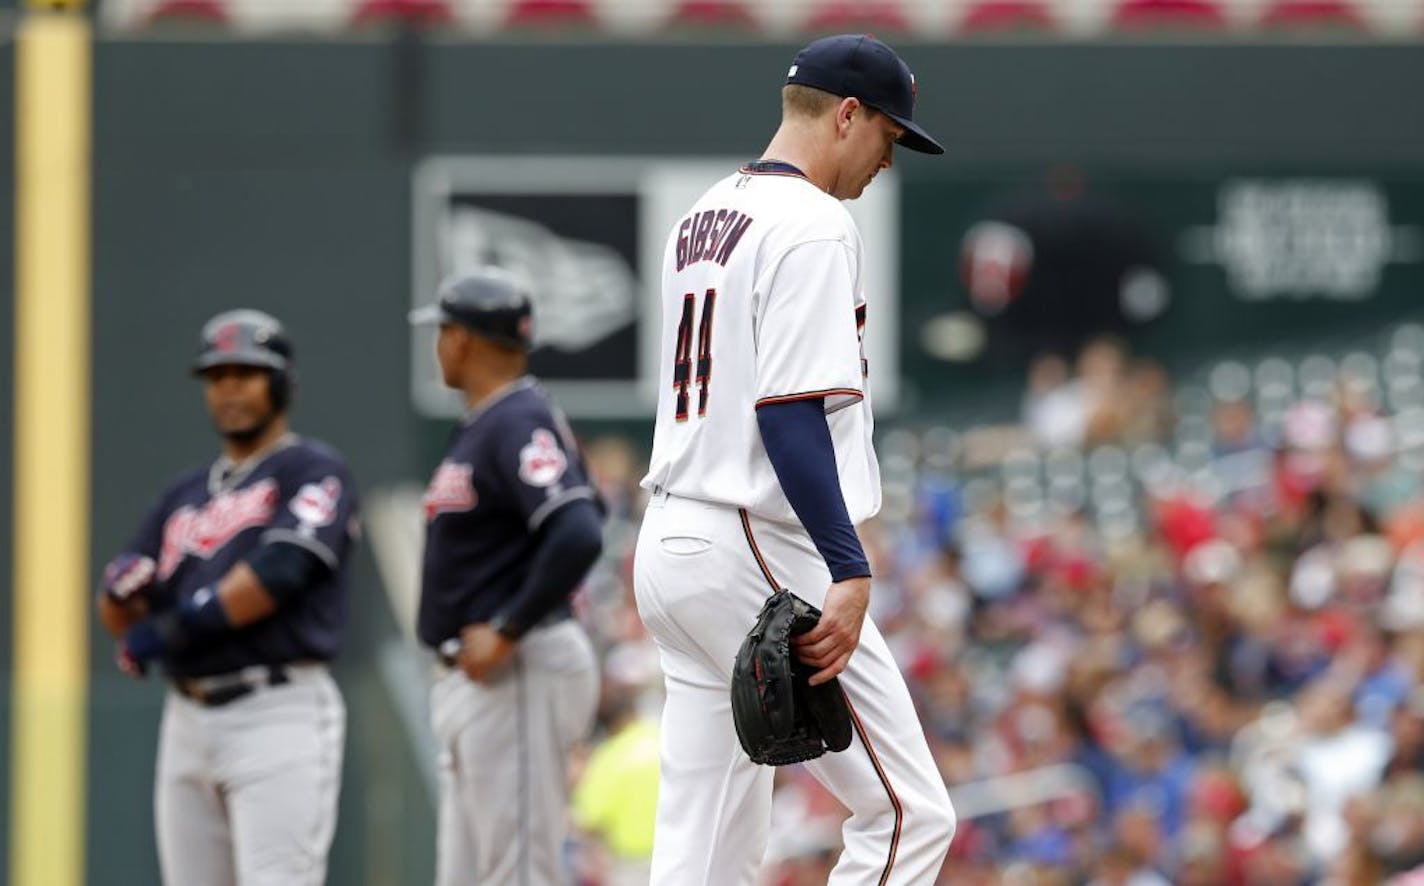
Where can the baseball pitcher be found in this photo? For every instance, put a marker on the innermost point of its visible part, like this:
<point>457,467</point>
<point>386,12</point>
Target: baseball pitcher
<point>762,464</point>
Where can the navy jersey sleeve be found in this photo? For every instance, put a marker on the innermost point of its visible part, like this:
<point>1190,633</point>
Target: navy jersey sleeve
<point>319,512</point>
<point>148,540</point>
<point>538,467</point>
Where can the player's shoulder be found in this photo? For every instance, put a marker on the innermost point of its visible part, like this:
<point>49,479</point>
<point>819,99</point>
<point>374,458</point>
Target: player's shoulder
<point>193,478</point>
<point>189,488</point>
<point>311,453</point>
<point>528,417</point>
<point>529,404</point>
<point>810,214</point>
<point>523,403</point>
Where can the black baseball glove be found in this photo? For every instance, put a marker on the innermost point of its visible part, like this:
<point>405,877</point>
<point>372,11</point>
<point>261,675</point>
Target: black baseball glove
<point>780,717</point>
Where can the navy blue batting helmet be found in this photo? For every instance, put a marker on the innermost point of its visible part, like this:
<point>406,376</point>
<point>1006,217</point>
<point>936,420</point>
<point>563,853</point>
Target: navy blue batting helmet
<point>248,338</point>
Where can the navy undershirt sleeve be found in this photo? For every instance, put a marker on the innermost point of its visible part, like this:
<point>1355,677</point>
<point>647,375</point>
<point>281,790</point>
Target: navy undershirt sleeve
<point>798,442</point>
<point>286,570</point>
<point>569,541</point>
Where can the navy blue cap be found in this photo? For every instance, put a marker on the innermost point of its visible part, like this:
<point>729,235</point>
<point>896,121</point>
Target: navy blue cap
<point>489,301</point>
<point>859,66</point>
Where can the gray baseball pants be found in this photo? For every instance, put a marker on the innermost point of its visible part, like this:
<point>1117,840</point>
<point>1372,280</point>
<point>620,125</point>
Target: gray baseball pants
<point>503,750</point>
<point>245,793</point>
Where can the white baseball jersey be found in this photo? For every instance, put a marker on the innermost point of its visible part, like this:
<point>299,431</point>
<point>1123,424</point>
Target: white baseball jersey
<point>762,303</point>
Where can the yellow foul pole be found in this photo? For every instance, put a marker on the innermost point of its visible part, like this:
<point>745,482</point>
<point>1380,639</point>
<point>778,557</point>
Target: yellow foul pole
<point>51,427</point>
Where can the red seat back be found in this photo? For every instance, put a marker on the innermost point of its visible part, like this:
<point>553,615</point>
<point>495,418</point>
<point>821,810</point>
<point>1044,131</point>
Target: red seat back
<point>1000,16</point>
<point>723,14</point>
<point>545,14</point>
<point>850,16</point>
<point>426,12</point>
<point>189,10</point>
<point>1159,15</point>
<point>1313,15</point>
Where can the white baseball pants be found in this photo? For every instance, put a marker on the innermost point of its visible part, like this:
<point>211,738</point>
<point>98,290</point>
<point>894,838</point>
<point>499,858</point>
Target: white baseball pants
<point>701,574</point>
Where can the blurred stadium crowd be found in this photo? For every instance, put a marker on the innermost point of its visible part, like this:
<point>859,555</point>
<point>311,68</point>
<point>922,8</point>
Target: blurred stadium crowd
<point>1158,632</point>
<point>913,19</point>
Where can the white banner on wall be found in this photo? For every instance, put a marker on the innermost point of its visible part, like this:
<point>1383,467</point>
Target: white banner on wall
<point>589,233</point>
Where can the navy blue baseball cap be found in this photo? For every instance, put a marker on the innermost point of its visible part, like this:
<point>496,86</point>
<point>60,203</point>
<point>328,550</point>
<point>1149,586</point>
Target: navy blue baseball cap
<point>490,301</point>
<point>859,66</point>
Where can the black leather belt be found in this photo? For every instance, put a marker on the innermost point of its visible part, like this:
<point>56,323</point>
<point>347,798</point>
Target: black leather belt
<point>216,691</point>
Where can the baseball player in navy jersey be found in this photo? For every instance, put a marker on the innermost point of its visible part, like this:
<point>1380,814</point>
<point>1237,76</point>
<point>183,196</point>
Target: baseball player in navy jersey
<point>512,526</point>
<point>762,464</point>
<point>235,585</point>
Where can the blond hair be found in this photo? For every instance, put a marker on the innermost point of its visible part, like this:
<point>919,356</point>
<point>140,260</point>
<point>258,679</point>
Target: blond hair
<point>806,101</point>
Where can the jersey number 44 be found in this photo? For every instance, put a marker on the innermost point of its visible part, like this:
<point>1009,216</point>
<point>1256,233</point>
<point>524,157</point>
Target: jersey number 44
<point>682,376</point>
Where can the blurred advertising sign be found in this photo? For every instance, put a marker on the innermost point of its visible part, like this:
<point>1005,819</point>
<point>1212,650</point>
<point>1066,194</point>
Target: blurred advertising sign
<point>1184,265</point>
<point>1303,238</point>
<point>589,234</point>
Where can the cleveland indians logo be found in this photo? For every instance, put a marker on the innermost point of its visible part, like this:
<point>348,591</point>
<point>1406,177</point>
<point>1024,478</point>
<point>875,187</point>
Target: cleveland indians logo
<point>541,461</point>
<point>451,490</point>
<point>225,339</point>
<point>315,504</point>
<point>204,531</point>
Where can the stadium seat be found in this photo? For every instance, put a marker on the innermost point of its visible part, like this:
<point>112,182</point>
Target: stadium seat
<point>1168,15</point>
<point>849,16</point>
<point>1313,15</point>
<point>425,12</point>
<point>1007,16</point>
<point>715,15</point>
<point>551,14</point>
<point>202,11</point>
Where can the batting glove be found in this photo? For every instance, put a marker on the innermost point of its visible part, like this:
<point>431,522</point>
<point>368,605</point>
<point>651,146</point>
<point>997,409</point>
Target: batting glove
<point>154,637</point>
<point>127,575</point>
<point>128,664</point>
<point>198,615</point>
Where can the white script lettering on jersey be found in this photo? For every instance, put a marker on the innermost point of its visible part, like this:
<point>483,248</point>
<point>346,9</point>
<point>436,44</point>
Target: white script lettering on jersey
<point>204,531</point>
<point>451,490</point>
<point>763,303</point>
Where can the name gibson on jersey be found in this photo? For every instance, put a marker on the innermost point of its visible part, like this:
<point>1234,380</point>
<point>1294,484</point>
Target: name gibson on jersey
<point>710,236</point>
